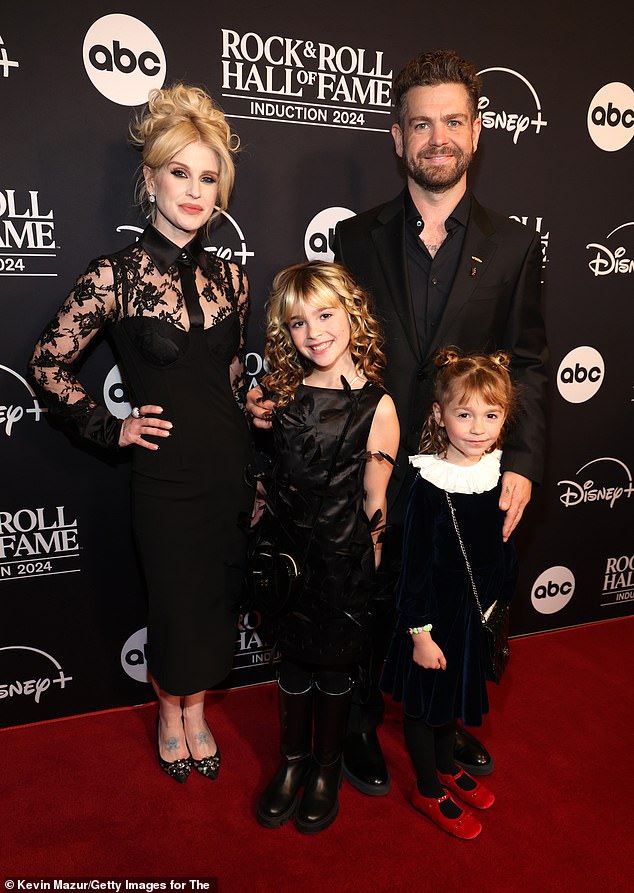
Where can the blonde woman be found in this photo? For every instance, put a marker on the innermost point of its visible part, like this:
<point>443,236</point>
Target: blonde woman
<point>176,315</point>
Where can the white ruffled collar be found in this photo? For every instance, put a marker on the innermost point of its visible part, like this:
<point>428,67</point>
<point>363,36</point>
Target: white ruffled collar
<point>477,478</point>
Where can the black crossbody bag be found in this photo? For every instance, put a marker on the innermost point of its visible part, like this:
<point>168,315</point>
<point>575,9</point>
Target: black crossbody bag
<point>495,621</point>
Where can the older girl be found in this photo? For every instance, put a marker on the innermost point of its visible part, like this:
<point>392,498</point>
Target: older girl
<point>335,430</point>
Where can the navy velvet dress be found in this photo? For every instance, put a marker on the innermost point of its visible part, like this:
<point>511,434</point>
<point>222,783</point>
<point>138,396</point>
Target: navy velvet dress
<point>435,588</point>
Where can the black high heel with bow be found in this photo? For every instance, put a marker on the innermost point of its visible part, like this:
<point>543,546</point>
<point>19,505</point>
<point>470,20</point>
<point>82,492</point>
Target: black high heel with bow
<point>207,766</point>
<point>177,769</point>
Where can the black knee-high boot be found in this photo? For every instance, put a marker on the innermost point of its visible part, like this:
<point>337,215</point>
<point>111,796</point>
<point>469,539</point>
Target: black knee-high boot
<point>279,799</point>
<point>320,801</point>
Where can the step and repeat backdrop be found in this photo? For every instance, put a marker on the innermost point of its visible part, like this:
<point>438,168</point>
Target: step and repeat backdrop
<point>307,88</point>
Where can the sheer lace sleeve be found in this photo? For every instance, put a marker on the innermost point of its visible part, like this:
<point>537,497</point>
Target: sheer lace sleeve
<point>90,305</point>
<point>236,370</point>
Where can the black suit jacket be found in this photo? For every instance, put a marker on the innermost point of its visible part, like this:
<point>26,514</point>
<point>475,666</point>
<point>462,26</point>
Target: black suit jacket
<point>497,308</point>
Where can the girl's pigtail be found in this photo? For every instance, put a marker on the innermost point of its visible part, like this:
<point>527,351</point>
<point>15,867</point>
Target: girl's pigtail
<point>446,356</point>
<point>501,358</point>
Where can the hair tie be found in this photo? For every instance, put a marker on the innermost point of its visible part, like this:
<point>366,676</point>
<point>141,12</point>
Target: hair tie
<point>447,358</point>
<point>501,359</point>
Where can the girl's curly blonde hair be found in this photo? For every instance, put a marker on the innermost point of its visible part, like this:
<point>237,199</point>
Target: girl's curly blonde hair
<point>460,377</point>
<point>173,118</point>
<point>319,284</point>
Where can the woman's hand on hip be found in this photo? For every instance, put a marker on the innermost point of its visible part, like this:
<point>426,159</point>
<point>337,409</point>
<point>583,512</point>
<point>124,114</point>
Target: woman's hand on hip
<point>141,423</point>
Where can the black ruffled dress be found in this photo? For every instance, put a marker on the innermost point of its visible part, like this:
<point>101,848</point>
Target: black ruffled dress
<point>327,625</point>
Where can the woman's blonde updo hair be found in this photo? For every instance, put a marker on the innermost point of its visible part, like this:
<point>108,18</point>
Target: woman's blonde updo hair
<point>461,377</point>
<point>173,118</point>
<point>319,284</point>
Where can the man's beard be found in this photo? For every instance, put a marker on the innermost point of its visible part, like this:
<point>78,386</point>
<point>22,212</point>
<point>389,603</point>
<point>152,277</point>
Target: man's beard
<point>438,179</point>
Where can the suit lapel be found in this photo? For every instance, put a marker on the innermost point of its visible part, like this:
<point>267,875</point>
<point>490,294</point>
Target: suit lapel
<point>477,252</point>
<point>389,241</point>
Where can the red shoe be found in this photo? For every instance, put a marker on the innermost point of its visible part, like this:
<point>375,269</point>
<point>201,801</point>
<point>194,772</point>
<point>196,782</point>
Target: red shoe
<point>466,826</point>
<point>479,796</point>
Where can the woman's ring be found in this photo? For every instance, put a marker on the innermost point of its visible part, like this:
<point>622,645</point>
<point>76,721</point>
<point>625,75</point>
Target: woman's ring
<point>136,412</point>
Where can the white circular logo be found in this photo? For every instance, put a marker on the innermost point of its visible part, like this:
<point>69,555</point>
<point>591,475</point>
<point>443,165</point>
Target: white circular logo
<point>320,233</point>
<point>580,374</point>
<point>553,589</point>
<point>115,394</point>
<point>124,59</point>
<point>133,656</point>
<point>611,116</point>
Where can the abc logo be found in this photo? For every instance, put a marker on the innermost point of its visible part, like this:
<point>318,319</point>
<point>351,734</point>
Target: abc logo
<point>611,117</point>
<point>553,589</point>
<point>580,374</point>
<point>123,59</point>
<point>115,394</point>
<point>133,656</point>
<point>254,366</point>
<point>320,233</point>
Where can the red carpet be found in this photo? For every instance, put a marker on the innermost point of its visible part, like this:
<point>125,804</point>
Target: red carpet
<point>84,797</point>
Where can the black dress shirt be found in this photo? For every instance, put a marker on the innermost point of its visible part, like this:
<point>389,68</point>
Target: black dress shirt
<point>431,278</point>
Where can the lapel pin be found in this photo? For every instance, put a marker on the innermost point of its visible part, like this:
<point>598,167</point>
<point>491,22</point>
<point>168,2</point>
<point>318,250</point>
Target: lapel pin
<point>474,270</point>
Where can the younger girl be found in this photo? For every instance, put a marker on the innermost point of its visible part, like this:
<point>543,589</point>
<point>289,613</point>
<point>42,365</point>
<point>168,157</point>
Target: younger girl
<point>334,430</point>
<point>435,664</point>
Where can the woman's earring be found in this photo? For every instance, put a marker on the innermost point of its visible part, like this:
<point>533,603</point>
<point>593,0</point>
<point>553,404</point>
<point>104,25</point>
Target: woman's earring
<point>151,198</point>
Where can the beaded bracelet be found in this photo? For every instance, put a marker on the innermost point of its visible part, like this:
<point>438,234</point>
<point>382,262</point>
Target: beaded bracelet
<point>415,630</point>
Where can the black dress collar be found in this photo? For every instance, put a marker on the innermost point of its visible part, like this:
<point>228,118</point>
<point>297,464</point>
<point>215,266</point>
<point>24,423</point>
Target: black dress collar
<point>165,253</point>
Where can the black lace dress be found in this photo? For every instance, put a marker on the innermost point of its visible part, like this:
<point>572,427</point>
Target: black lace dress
<point>327,624</point>
<point>182,351</point>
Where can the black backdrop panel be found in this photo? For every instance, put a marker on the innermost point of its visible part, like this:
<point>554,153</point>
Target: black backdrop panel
<point>306,87</point>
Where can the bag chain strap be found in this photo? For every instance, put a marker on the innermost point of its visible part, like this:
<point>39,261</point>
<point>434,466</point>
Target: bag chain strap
<point>464,553</point>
